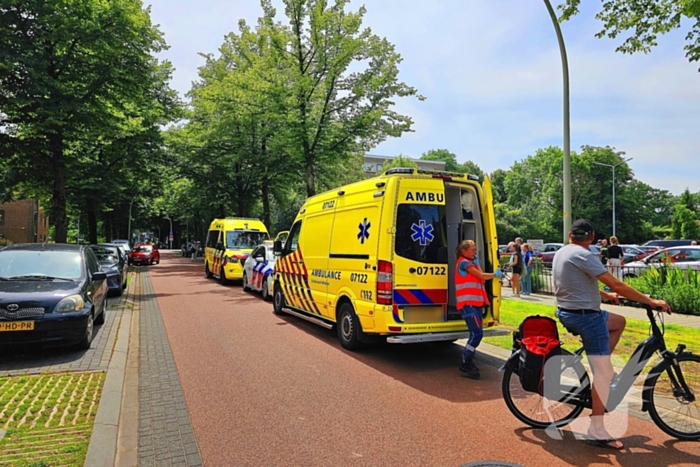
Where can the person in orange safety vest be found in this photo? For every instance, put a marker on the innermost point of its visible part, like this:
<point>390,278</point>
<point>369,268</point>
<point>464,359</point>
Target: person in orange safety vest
<point>471,298</point>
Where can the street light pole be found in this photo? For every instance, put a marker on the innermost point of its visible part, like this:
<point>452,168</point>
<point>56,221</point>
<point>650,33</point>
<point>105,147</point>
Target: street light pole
<point>170,239</point>
<point>128,238</point>
<point>567,135</point>
<point>613,187</point>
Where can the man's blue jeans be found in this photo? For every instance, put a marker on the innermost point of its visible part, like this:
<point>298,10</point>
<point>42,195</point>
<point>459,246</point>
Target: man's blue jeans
<point>475,323</point>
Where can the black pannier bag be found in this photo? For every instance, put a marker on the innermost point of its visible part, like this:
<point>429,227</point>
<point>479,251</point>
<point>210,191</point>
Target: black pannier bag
<point>538,340</point>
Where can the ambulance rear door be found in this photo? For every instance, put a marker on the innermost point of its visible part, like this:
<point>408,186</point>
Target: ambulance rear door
<point>420,257</point>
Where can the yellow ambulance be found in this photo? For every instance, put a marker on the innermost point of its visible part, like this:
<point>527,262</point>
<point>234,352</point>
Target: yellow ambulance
<point>229,242</point>
<point>375,259</point>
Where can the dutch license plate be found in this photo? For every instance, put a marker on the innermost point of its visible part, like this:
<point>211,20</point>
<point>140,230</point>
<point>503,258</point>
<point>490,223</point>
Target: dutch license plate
<point>423,314</point>
<point>17,326</point>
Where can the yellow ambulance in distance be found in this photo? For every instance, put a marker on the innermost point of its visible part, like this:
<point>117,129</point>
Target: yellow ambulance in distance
<point>229,242</point>
<point>375,259</point>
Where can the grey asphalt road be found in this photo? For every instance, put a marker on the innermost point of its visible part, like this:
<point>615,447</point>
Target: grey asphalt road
<point>263,390</point>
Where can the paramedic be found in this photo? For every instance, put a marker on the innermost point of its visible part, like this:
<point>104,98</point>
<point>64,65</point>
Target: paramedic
<point>576,272</point>
<point>471,298</point>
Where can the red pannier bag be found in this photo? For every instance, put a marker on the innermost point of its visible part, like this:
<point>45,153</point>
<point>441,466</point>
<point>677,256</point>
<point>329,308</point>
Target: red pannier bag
<point>539,341</point>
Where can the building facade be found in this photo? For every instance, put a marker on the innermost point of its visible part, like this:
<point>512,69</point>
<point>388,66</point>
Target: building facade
<point>373,164</point>
<point>23,221</point>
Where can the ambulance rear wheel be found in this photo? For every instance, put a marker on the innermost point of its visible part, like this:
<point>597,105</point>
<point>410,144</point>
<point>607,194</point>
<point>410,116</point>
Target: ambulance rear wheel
<point>348,327</point>
<point>278,300</point>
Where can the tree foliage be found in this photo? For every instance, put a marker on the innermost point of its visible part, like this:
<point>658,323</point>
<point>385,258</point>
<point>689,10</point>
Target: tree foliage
<point>82,77</point>
<point>341,81</point>
<point>451,164</point>
<point>645,20</point>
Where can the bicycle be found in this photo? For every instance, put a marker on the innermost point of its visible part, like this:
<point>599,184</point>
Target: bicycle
<point>669,394</point>
<point>505,271</point>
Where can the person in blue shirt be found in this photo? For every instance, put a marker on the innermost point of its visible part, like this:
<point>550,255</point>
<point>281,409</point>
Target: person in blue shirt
<point>526,277</point>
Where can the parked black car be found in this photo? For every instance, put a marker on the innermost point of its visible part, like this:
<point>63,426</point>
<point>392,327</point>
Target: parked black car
<point>114,264</point>
<point>50,294</point>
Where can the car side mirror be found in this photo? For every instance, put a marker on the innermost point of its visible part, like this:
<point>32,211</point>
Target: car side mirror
<point>260,259</point>
<point>99,276</point>
<point>277,248</point>
<point>219,246</point>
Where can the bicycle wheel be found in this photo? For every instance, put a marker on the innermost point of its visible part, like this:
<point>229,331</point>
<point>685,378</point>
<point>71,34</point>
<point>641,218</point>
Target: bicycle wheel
<point>539,411</point>
<point>675,414</point>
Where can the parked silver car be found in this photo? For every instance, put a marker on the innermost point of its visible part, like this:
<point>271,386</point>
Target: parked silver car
<point>680,256</point>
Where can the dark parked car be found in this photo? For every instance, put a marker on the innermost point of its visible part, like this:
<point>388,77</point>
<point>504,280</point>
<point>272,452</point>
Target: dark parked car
<point>667,243</point>
<point>50,294</point>
<point>632,253</point>
<point>114,264</point>
<point>547,253</point>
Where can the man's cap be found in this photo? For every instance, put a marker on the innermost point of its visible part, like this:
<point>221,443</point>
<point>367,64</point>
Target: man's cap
<point>581,227</point>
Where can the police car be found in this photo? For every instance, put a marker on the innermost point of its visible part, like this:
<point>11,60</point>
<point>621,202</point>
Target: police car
<point>258,269</point>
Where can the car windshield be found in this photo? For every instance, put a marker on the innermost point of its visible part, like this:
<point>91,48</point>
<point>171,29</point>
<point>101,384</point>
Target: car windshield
<point>143,248</point>
<point>32,264</point>
<point>105,254</point>
<point>244,239</point>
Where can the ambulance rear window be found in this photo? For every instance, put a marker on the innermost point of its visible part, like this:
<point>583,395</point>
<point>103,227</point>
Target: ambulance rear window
<point>244,239</point>
<point>420,233</point>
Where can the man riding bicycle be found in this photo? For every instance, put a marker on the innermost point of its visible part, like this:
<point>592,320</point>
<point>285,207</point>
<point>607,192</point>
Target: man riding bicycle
<point>576,272</point>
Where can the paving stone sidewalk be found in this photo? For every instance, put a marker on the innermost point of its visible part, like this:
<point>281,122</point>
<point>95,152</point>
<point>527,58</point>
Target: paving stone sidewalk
<point>165,434</point>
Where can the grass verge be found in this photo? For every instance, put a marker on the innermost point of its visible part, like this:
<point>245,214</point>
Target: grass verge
<point>513,312</point>
<point>48,419</point>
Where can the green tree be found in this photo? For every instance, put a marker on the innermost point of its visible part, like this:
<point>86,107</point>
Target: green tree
<point>342,83</point>
<point>78,69</point>
<point>398,161</point>
<point>451,164</point>
<point>685,223</point>
<point>645,20</point>
<point>449,158</point>
<point>498,185</point>
<point>689,200</point>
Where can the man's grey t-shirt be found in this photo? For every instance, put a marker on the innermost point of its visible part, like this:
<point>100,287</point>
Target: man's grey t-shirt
<point>575,271</point>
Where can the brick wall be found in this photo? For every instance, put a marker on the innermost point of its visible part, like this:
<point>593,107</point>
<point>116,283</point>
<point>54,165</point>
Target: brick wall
<point>17,222</point>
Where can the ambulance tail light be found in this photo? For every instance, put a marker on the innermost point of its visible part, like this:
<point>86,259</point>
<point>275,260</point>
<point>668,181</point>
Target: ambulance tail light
<point>385,283</point>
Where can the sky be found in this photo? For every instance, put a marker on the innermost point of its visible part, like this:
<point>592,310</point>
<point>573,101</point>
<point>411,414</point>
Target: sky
<point>492,77</point>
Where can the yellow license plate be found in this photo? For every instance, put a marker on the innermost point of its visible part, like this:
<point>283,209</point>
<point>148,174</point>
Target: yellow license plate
<point>17,326</point>
<point>423,314</point>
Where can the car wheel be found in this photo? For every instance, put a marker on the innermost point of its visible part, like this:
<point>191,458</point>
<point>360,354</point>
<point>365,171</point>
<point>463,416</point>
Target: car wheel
<point>348,327</point>
<point>222,277</point>
<point>278,300</point>
<point>245,282</point>
<point>207,272</point>
<point>100,319</point>
<point>89,331</point>
<point>265,290</point>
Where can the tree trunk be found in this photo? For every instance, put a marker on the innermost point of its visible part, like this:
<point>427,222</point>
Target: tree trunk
<point>92,222</point>
<point>58,195</point>
<point>310,179</point>
<point>266,204</point>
